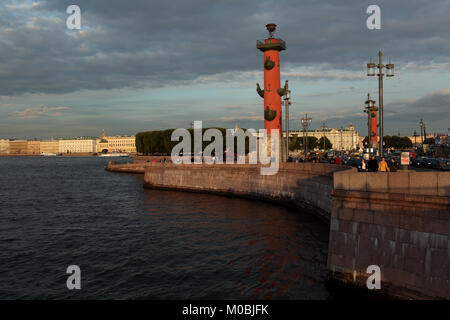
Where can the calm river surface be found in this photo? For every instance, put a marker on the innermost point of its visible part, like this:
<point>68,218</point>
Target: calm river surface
<point>132,243</point>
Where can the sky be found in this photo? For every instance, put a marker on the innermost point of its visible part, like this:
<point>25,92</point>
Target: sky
<point>142,65</point>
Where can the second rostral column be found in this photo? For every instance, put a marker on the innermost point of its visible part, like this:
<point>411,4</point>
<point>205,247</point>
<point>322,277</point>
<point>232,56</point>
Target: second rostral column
<point>272,91</point>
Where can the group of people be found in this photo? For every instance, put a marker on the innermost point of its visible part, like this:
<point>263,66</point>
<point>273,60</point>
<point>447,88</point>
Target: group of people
<point>373,166</point>
<point>160,160</point>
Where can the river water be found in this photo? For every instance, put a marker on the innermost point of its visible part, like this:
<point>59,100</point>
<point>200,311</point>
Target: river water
<point>132,243</point>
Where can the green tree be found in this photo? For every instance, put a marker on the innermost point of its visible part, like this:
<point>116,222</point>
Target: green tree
<point>397,142</point>
<point>328,144</point>
<point>312,142</point>
<point>160,141</point>
<point>294,143</point>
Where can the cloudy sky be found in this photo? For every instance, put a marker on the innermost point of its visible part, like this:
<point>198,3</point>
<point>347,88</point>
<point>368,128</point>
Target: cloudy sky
<point>145,65</point>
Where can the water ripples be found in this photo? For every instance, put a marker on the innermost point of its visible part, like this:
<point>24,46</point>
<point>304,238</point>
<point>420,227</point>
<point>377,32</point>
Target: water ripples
<point>132,243</point>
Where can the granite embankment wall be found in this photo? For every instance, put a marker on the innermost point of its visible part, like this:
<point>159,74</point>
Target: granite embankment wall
<point>399,221</point>
<point>126,167</point>
<point>145,159</point>
<point>302,185</point>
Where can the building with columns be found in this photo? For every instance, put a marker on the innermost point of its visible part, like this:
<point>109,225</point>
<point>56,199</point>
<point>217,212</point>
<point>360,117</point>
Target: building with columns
<point>78,146</point>
<point>18,147</point>
<point>416,141</point>
<point>125,144</point>
<point>49,146</point>
<point>341,139</point>
<point>34,147</point>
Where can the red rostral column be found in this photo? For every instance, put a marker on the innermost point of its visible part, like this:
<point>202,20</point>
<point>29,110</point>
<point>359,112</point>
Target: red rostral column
<point>374,127</point>
<point>371,110</point>
<point>272,92</point>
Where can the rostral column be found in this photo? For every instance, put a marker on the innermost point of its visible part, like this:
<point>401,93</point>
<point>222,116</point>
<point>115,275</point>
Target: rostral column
<point>272,91</point>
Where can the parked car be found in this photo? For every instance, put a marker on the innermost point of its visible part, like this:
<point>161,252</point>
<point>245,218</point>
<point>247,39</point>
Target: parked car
<point>353,162</point>
<point>432,164</point>
<point>445,164</point>
<point>418,162</point>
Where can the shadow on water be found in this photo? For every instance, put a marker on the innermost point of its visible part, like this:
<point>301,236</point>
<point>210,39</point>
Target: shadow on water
<point>243,248</point>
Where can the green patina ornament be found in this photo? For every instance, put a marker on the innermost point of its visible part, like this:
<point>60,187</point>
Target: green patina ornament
<point>269,115</point>
<point>269,64</point>
<point>283,91</point>
<point>259,90</point>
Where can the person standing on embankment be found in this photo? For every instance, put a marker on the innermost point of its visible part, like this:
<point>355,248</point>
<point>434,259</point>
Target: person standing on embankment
<point>383,166</point>
<point>372,165</point>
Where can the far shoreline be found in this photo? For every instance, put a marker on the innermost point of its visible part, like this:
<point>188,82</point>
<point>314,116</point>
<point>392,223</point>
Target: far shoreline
<point>68,155</point>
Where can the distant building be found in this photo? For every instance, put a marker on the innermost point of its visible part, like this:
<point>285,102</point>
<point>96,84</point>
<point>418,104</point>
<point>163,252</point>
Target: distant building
<point>18,146</point>
<point>78,146</point>
<point>126,144</point>
<point>341,139</point>
<point>4,146</point>
<point>34,147</point>
<point>122,144</point>
<point>50,146</point>
<point>416,140</point>
<point>345,139</point>
<point>102,143</point>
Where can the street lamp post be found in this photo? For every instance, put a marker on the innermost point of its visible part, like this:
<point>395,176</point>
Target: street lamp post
<point>389,73</point>
<point>286,98</point>
<point>324,127</point>
<point>305,123</point>
<point>421,132</point>
<point>353,131</point>
<point>342,146</point>
<point>415,142</point>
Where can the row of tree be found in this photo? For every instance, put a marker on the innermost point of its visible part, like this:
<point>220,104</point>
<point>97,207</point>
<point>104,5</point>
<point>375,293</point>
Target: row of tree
<point>296,143</point>
<point>395,142</point>
<point>160,141</point>
<point>154,141</point>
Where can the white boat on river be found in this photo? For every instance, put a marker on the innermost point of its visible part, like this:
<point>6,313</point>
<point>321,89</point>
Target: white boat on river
<point>114,155</point>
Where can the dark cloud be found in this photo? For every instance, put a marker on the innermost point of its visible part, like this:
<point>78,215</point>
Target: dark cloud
<point>433,108</point>
<point>399,116</point>
<point>156,43</point>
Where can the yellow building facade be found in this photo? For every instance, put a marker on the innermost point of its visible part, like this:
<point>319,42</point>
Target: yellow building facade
<point>341,139</point>
<point>51,146</point>
<point>116,144</point>
<point>34,147</point>
<point>4,146</point>
<point>18,147</point>
<point>417,138</point>
<point>78,146</point>
<point>122,144</point>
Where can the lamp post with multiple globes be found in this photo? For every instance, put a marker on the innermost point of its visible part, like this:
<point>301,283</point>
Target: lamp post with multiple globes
<point>389,73</point>
<point>306,121</point>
